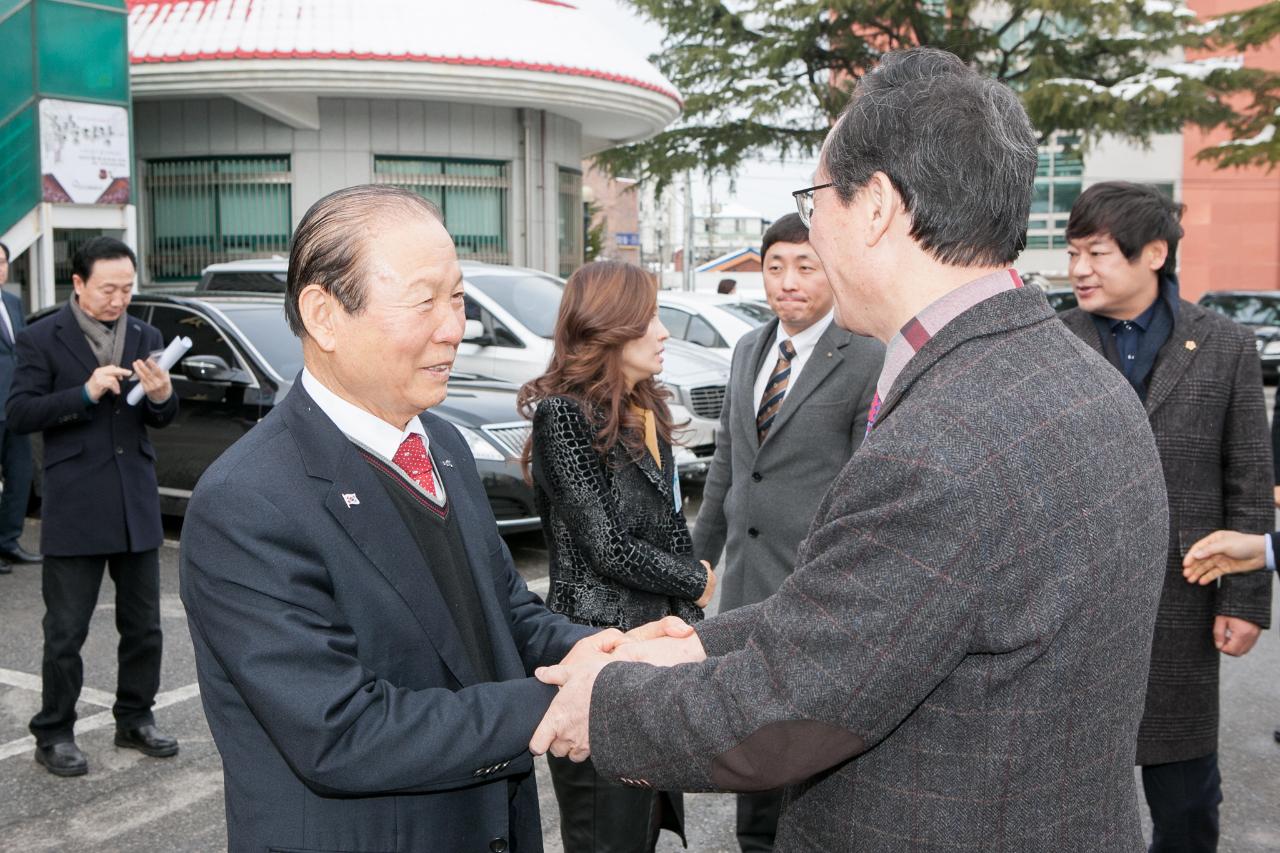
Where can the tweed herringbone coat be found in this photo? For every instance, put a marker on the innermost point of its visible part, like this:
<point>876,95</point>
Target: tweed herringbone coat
<point>1205,405</point>
<point>959,659</point>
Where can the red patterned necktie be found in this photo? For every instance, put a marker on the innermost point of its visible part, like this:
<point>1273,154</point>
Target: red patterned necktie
<point>412,458</point>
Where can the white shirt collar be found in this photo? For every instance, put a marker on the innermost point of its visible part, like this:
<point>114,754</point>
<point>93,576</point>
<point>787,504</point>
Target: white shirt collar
<point>808,339</point>
<point>360,426</point>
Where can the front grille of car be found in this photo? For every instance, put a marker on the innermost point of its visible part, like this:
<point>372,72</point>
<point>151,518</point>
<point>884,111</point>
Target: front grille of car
<point>510,437</point>
<point>703,451</point>
<point>706,401</point>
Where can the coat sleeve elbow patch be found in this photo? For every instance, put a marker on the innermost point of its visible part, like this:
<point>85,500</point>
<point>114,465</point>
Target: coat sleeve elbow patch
<point>784,753</point>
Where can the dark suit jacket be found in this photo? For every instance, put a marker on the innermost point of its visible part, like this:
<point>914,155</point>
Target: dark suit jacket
<point>620,551</point>
<point>760,499</point>
<point>959,659</point>
<point>8,351</point>
<point>1205,405</point>
<point>332,675</point>
<point>100,492</point>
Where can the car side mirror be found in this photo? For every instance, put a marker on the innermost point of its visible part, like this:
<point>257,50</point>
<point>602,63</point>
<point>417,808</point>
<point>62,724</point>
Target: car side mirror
<point>473,333</point>
<point>209,368</point>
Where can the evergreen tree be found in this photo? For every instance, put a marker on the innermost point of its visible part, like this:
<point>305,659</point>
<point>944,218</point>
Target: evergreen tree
<point>771,75</point>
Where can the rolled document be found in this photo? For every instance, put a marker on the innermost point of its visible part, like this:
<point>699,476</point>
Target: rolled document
<point>176,349</point>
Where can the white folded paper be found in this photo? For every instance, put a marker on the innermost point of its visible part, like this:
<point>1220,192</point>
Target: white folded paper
<point>176,349</point>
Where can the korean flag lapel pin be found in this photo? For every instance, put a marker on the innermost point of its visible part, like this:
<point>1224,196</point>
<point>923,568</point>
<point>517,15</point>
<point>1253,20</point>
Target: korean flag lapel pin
<point>350,499</point>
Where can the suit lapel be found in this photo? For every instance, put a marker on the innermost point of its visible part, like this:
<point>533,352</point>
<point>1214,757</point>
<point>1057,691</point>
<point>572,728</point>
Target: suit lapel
<point>358,501</point>
<point>826,356</point>
<point>15,322</point>
<point>73,339</point>
<point>1185,342</point>
<point>1081,324</point>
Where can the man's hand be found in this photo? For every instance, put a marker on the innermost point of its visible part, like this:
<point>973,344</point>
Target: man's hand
<point>1234,636</point>
<point>1276,496</point>
<point>155,381</point>
<point>663,651</point>
<point>711,586</point>
<point>104,379</point>
<point>1224,552</point>
<point>565,729</point>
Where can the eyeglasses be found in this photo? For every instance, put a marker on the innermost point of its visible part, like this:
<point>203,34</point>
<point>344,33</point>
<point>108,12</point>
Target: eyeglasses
<point>804,202</point>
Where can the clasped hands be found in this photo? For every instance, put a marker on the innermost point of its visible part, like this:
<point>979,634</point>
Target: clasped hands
<point>565,728</point>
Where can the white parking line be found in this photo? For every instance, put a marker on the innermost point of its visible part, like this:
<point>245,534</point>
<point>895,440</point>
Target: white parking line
<point>98,721</point>
<point>26,681</point>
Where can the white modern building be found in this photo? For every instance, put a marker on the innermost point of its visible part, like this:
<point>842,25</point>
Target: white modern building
<point>248,111</point>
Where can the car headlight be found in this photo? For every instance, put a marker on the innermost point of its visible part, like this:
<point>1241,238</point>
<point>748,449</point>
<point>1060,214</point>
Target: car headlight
<point>481,447</point>
<point>1271,348</point>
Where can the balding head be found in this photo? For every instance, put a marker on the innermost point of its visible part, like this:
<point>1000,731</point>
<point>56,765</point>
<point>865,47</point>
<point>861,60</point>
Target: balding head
<point>330,246</point>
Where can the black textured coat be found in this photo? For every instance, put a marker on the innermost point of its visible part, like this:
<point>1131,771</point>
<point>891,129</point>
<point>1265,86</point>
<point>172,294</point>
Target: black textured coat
<point>620,549</point>
<point>1205,405</point>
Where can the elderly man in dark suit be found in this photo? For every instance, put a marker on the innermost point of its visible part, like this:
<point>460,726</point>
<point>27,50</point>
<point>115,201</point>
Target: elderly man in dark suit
<point>1198,376</point>
<point>795,411</point>
<point>101,503</point>
<point>959,659</point>
<point>364,646</point>
<point>15,449</point>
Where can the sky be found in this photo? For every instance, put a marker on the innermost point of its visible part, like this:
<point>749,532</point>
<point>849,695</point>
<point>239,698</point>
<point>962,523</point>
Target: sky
<point>764,185</point>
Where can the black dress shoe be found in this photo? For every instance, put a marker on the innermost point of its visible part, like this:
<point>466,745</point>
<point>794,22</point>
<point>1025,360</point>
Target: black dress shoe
<point>1276,735</point>
<point>62,759</point>
<point>4,569</point>
<point>15,553</point>
<point>148,741</point>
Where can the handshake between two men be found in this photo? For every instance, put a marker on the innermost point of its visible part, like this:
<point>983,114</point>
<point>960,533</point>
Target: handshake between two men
<point>565,728</point>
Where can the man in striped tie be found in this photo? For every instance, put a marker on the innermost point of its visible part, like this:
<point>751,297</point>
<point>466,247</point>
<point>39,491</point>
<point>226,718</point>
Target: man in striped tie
<point>795,411</point>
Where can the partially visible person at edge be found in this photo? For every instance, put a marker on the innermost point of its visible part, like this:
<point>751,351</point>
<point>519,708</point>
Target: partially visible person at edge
<point>608,491</point>
<point>1198,376</point>
<point>727,286</point>
<point>795,411</point>
<point>101,505</point>
<point>16,466</point>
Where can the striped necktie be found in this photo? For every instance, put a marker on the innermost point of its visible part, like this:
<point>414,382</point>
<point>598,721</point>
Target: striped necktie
<point>774,390</point>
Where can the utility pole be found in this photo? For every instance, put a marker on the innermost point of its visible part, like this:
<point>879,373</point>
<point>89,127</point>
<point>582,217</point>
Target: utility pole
<point>688,232</point>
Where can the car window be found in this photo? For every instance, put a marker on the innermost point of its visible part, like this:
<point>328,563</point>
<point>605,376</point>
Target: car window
<point>676,321</point>
<point>534,300</point>
<point>501,336</point>
<point>701,333</point>
<point>265,327</point>
<point>140,311</point>
<point>205,338</point>
<point>1250,310</point>
<point>246,281</point>
<point>754,313</point>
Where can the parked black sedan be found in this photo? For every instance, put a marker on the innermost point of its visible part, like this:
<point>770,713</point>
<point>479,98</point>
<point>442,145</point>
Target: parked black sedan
<point>243,360</point>
<point>1259,310</point>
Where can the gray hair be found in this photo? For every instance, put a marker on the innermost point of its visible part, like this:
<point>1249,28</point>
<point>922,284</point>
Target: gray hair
<point>957,146</point>
<point>329,245</point>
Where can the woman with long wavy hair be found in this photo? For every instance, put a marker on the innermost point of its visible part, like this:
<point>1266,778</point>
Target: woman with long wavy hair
<point>599,457</point>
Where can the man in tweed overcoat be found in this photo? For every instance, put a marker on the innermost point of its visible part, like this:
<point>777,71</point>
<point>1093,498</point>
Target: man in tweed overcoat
<point>959,660</point>
<point>1200,381</point>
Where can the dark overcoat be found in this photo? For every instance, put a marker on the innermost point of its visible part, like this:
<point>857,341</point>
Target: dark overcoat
<point>100,490</point>
<point>1206,408</point>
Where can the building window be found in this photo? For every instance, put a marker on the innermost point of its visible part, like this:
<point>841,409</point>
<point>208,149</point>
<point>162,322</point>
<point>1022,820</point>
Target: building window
<point>1059,179</point>
<point>208,210</point>
<point>473,197</point>
<point>570,223</point>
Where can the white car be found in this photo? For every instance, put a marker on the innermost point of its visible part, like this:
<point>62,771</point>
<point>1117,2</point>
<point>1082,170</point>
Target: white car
<point>710,320</point>
<point>511,315</point>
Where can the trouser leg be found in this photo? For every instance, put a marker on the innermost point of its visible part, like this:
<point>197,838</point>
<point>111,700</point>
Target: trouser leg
<point>17,469</point>
<point>758,820</point>
<point>70,588</point>
<point>137,580</point>
<point>1184,797</point>
<point>600,816</point>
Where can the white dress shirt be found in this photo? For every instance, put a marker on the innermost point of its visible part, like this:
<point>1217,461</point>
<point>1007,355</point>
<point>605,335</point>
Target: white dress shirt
<point>367,430</point>
<point>8,322</point>
<point>804,342</point>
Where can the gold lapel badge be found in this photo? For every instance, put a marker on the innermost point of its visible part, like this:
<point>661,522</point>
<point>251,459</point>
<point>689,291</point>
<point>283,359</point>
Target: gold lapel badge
<point>1191,345</point>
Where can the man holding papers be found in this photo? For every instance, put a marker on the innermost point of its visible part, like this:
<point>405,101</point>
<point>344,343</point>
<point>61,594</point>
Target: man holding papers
<point>101,504</point>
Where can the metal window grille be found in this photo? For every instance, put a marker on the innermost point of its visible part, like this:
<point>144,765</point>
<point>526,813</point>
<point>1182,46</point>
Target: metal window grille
<point>209,210</point>
<point>570,223</point>
<point>473,197</point>
<point>1059,180</point>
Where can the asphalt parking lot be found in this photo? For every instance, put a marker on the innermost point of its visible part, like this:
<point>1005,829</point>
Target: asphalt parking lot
<point>129,803</point>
